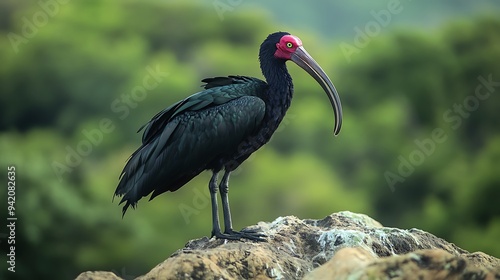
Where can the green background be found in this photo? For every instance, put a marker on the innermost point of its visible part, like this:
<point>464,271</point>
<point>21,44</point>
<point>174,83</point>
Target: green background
<point>408,81</point>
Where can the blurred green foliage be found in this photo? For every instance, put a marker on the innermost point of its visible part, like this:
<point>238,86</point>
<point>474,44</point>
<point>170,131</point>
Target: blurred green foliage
<point>60,84</point>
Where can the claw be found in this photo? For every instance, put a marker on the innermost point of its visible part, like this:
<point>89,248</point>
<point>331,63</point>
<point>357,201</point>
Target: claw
<point>248,234</point>
<point>237,235</point>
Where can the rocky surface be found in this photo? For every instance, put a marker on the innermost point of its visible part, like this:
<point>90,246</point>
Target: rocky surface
<point>343,245</point>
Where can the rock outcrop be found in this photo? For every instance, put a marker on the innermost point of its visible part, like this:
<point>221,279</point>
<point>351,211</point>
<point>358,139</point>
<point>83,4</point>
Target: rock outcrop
<point>343,245</point>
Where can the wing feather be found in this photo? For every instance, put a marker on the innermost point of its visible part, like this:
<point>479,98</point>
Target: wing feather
<point>188,137</point>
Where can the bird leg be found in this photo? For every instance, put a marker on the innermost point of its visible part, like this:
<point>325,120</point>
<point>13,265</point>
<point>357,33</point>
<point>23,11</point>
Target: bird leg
<point>229,233</point>
<point>228,230</point>
<point>224,189</point>
<point>213,187</point>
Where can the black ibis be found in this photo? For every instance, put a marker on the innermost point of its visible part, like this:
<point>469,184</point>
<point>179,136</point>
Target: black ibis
<point>218,128</point>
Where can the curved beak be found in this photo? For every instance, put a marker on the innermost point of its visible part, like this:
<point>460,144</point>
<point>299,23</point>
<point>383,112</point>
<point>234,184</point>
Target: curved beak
<point>306,62</point>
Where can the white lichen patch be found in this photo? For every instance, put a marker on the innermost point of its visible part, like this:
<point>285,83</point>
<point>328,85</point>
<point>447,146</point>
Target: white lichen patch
<point>343,238</point>
<point>270,229</point>
<point>277,273</point>
<point>401,234</point>
<point>291,246</point>
<point>361,219</point>
<point>333,240</point>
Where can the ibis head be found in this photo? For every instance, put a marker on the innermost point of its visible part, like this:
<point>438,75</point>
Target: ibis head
<point>290,48</point>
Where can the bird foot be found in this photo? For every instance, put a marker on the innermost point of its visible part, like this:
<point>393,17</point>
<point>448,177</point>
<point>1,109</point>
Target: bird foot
<point>248,234</point>
<point>237,235</point>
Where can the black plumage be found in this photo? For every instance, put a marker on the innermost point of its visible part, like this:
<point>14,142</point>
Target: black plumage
<point>215,129</point>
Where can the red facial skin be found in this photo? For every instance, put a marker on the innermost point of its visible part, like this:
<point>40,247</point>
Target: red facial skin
<point>287,45</point>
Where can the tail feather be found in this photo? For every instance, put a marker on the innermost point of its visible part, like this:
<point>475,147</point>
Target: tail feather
<point>130,189</point>
<point>137,181</point>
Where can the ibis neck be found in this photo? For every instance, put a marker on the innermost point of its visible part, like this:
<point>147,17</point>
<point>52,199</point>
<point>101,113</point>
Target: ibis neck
<point>280,90</point>
<point>279,93</point>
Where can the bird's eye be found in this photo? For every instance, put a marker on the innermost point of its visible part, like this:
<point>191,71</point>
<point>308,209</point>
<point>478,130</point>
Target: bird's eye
<point>289,45</point>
